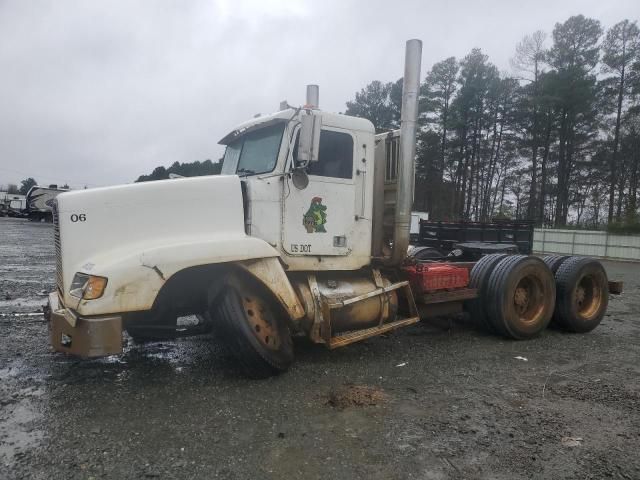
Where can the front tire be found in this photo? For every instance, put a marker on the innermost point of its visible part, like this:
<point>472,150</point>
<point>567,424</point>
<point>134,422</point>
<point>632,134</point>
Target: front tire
<point>252,328</point>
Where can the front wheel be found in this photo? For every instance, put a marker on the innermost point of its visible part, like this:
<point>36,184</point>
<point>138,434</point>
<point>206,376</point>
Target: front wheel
<point>252,329</point>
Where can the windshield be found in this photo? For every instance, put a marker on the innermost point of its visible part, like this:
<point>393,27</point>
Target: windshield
<point>253,153</point>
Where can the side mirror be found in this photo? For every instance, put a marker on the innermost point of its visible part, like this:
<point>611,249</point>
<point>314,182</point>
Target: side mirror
<point>309,143</point>
<point>299,178</point>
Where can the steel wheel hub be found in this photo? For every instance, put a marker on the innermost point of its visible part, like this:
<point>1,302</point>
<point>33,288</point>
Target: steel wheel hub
<point>588,296</point>
<point>580,296</point>
<point>261,321</point>
<point>521,299</point>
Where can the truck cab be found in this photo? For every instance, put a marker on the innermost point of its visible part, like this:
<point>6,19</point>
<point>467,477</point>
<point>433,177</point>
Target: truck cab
<point>325,224</point>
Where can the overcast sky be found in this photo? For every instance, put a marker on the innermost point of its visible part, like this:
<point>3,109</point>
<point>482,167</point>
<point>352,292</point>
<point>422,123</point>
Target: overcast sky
<point>100,92</point>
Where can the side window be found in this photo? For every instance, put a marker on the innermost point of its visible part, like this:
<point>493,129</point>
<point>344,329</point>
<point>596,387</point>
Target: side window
<point>335,156</point>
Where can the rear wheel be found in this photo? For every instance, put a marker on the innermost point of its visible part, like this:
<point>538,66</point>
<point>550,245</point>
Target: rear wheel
<point>479,278</point>
<point>554,261</point>
<point>520,296</point>
<point>252,328</point>
<point>582,294</point>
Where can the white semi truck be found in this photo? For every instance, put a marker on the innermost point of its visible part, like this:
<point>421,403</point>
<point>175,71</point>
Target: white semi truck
<point>304,233</point>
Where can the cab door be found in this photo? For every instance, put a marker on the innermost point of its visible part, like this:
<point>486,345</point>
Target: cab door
<point>320,219</point>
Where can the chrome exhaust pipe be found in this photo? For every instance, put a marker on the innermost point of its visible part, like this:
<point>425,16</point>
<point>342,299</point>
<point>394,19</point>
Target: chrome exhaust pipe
<point>406,167</point>
<point>313,96</point>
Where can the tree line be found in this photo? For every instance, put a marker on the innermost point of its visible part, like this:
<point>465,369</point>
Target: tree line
<point>556,141</point>
<point>191,169</point>
<point>23,189</point>
<point>187,169</point>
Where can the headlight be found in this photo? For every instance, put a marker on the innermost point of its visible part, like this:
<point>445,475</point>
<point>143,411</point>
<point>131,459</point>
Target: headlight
<point>87,287</point>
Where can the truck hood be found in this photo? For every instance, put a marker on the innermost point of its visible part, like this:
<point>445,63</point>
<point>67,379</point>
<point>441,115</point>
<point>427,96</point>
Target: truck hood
<point>97,227</point>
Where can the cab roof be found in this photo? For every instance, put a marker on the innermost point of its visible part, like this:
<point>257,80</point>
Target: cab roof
<point>328,119</point>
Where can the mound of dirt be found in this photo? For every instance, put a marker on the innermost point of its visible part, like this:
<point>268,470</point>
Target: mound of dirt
<point>356,396</point>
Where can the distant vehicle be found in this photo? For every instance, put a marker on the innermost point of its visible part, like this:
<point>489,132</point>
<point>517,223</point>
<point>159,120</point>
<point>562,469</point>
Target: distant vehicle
<point>11,205</point>
<point>40,202</point>
<point>414,231</point>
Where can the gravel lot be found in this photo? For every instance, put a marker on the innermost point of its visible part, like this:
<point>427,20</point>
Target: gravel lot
<point>432,401</point>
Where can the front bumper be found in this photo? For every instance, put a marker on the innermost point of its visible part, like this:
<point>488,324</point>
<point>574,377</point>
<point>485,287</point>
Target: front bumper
<point>85,337</point>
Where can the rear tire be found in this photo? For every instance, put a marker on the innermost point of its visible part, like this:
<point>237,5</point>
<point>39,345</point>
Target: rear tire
<point>520,297</point>
<point>582,294</point>
<point>554,261</point>
<point>252,329</point>
<point>479,279</point>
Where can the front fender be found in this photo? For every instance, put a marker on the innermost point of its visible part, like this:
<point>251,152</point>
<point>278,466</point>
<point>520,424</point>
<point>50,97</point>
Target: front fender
<point>135,276</point>
<point>270,273</point>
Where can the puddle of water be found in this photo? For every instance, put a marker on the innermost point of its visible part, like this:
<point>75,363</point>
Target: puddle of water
<point>123,376</point>
<point>111,360</point>
<point>19,414</point>
<point>166,354</point>
<point>24,302</point>
<point>15,431</point>
<point>21,315</point>
<point>8,372</point>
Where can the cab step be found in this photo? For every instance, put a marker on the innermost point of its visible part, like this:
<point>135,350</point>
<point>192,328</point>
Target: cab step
<point>357,335</point>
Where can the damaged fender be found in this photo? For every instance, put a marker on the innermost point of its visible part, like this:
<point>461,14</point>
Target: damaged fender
<point>135,279</point>
<point>270,273</point>
<point>139,235</point>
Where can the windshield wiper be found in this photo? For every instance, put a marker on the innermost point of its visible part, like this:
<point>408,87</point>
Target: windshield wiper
<point>243,172</point>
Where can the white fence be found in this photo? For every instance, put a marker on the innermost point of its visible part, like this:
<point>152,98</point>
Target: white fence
<point>589,243</point>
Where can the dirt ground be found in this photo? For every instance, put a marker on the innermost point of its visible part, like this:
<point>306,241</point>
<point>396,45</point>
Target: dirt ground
<point>433,401</point>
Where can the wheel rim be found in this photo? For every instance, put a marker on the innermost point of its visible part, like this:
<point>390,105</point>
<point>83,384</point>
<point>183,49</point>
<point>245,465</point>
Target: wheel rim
<point>588,297</point>
<point>527,299</point>
<point>262,322</point>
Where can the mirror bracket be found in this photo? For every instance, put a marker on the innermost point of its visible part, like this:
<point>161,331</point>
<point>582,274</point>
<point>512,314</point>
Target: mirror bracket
<point>309,143</point>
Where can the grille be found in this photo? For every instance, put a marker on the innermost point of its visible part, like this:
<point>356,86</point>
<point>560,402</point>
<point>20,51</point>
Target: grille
<point>56,241</point>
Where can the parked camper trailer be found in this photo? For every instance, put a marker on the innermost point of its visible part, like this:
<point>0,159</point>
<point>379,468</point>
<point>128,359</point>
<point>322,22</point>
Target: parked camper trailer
<point>39,202</point>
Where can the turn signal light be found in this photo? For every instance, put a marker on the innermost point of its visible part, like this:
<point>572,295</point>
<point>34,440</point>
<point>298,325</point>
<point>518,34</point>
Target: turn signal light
<point>87,287</point>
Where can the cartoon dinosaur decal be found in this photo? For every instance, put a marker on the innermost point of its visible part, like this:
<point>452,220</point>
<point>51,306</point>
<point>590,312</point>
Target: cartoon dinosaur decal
<point>316,217</point>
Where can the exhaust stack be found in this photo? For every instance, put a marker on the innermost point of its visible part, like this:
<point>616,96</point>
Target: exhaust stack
<point>407,153</point>
<point>313,96</point>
